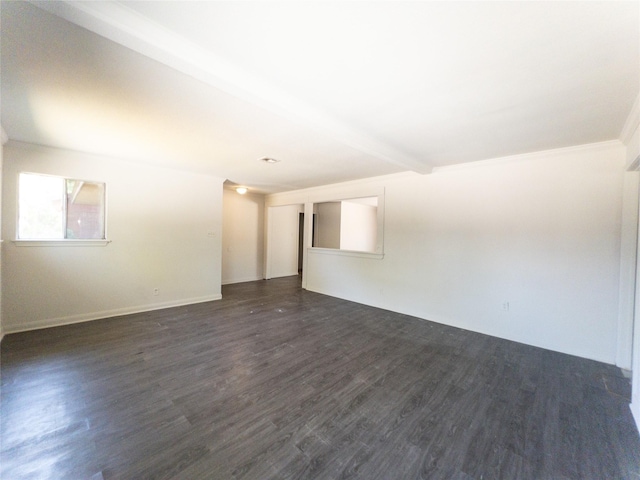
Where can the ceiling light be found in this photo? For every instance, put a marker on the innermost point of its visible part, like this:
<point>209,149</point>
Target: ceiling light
<point>269,160</point>
<point>241,190</point>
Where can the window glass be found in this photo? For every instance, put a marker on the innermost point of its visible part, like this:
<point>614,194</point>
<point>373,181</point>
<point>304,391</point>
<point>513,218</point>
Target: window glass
<point>85,209</point>
<point>52,208</point>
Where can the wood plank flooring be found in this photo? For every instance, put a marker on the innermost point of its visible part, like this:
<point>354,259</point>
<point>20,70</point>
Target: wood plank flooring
<point>274,382</point>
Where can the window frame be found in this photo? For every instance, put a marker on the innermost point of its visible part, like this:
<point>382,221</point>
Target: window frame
<point>60,242</point>
<point>340,197</point>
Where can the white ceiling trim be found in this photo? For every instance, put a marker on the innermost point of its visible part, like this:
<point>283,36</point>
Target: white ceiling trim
<point>126,27</point>
<point>555,152</point>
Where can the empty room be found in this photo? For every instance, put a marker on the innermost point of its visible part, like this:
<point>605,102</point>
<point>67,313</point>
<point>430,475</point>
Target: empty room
<point>319,240</point>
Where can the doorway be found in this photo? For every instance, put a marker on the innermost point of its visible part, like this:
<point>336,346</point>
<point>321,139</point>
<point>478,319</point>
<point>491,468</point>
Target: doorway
<point>300,241</point>
<point>283,244</point>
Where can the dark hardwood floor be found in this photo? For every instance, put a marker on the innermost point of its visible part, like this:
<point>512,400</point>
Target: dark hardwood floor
<point>274,382</point>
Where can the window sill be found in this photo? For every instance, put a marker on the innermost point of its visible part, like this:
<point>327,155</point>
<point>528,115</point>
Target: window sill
<point>347,253</point>
<point>61,243</point>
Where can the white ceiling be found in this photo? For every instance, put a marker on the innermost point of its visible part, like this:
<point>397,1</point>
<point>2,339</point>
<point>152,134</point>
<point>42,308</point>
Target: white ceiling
<point>335,90</point>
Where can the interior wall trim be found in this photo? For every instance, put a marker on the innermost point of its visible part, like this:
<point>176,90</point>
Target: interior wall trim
<point>588,147</point>
<point>632,122</point>
<point>230,281</point>
<point>635,165</point>
<point>88,317</point>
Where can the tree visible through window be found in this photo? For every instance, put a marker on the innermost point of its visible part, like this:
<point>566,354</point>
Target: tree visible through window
<point>56,208</point>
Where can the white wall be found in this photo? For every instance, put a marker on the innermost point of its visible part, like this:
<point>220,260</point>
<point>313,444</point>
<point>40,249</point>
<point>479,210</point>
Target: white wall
<point>629,318</point>
<point>3,140</point>
<point>242,237</point>
<point>539,231</point>
<point>631,137</point>
<point>358,227</point>
<point>165,228</point>
<point>283,238</point>
<point>628,254</point>
<point>630,134</point>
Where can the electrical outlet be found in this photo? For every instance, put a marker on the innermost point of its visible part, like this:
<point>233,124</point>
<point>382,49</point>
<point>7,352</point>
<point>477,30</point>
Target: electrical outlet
<point>505,306</point>
<point>156,291</point>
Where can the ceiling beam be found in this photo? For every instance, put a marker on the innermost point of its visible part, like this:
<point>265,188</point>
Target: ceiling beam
<point>127,27</point>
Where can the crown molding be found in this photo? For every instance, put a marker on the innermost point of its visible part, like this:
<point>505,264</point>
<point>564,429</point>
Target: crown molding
<point>589,147</point>
<point>632,123</point>
<point>127,27</point>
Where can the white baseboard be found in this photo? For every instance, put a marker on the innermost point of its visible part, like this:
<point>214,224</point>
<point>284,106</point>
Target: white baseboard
<point>87,317</point>
<point>635,411</point>
<point>287,274</point>
<point>240,280</point>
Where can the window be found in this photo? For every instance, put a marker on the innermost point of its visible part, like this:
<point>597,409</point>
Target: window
<point>56,208</point>
<point>350,224</point>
